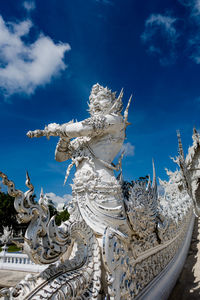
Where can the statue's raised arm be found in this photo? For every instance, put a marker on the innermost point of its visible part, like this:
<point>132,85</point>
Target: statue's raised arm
<point>92,145</point>
<point>105,120</point>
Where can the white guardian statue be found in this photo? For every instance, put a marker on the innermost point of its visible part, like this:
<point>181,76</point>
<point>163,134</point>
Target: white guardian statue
<point>122,241</point>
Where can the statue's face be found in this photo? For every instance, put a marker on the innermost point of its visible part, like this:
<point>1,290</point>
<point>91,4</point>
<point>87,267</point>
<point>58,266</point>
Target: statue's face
<point>100,103</point>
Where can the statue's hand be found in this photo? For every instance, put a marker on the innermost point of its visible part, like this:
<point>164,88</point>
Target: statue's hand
<point>36,133</point>
<point>52,129</point>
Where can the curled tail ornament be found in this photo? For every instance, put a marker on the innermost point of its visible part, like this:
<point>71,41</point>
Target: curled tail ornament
<point>78,273</point>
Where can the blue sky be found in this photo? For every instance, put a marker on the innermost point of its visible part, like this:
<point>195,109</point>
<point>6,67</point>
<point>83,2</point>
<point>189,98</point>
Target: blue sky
<point>52,52</point>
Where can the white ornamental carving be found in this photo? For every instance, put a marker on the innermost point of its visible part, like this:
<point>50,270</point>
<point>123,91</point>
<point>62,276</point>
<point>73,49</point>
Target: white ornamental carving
<point>120,235</point>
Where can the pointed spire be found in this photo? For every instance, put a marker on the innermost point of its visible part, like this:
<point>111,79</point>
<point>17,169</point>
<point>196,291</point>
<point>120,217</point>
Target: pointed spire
<point>154,183</point>
<point>27,176</point>
<point>180,146</point>
<point>126,111</point>
<point>27,179</point>
<point>117,102</point>
<point>41,193</point>
<point>194,130</point>
<point>28,182</point>
<point>149,183</point>
<point>120,178</point>
<point>195,136</point>
<point>120,95</point>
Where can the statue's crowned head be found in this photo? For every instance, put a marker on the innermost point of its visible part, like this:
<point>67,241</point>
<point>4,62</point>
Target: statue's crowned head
<point>103,100</point>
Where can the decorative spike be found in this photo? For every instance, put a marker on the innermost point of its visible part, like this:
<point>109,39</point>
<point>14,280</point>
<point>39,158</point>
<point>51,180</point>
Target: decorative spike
<point>27,176</point>
<point>126,111</point>
<point>120,95</point>
<point>28,182</point>
<point>194,130</point>
<point>154,183</point>
<point>27,179</point>
<point>195,136</point>
<point>120,178</point>
<point>180,146</point>
<point>68,171</point>
<point>119,99</point>
<point>41,193</point>
<point>149,183</point>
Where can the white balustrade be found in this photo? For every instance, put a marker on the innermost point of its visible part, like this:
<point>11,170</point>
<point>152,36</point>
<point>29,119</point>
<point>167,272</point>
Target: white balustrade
<point>18,262</point>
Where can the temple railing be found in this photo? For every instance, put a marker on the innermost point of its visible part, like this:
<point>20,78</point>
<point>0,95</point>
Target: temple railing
<point>19,262</point>
<point>161,286</point>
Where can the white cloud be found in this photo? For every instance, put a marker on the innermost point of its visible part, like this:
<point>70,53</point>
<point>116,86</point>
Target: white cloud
<point>166,22</point>
<point>128,149</point>
<point>196,8</point>
<point>193,42</point>
<point>59,202</point>
<point>24,67</point>
<point>29,5</point>
<point>193,5</point>
<point>160,36</point>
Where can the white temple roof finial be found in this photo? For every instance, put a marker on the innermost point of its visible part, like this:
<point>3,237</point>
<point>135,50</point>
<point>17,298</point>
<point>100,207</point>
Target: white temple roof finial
<point>41,193</point>
<point>180,146</point>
